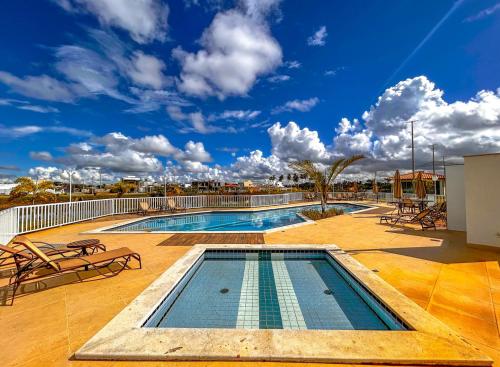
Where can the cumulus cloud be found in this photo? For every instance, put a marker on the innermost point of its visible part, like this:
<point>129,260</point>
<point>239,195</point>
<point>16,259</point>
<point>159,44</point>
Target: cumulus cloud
<point>457,128</point>
<point>118,153</point>
<point>303,105</point>
<point>257,166</point>
<point>237,49</point>
<point>145,20</point>
<point>290,142</point>
<point>147,70</point>
<point>318,38</point>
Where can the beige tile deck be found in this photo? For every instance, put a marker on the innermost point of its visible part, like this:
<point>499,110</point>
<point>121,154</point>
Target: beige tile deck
<point>457,284</point>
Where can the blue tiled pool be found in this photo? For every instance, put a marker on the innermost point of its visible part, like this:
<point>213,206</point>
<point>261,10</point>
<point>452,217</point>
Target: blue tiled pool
<point>270,289</point>
<point>231,221</point>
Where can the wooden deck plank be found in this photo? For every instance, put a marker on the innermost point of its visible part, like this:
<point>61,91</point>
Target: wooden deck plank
<point>190,239</point>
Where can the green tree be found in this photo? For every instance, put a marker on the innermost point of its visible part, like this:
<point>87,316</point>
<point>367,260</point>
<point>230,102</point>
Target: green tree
<point>38,190</point>
<point>323,179</point>
<point>121,188</point>
<point>280,179</point>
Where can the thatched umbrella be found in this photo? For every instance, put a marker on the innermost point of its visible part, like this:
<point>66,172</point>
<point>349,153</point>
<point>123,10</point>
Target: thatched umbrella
<point>420,189</point>
<point>398,188</point>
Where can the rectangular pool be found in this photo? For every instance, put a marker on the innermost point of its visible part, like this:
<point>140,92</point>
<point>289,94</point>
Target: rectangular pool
<point>271,289</point>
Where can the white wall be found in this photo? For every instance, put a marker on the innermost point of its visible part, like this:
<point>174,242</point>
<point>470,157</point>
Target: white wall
<point>455,197</point>
<point>482,198</point>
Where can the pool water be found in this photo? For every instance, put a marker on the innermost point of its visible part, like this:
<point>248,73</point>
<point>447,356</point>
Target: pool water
<point>271,290</point>
<point>231,221</point>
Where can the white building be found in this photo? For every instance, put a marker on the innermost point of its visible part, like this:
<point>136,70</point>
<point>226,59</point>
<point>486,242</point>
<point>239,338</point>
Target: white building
<point>473,198</point>
<point>6,188</point>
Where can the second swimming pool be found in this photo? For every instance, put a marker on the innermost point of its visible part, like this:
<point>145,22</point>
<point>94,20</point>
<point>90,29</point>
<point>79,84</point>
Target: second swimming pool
<point>228,221</point>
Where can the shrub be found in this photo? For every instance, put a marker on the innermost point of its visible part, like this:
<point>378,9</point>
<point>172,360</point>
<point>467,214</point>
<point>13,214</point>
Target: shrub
<point>317,214</point>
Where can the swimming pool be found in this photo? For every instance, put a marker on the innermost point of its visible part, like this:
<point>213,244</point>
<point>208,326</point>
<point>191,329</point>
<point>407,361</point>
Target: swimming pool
<point>271,290</point>
<point>301,303</point>
<point>228,221</point>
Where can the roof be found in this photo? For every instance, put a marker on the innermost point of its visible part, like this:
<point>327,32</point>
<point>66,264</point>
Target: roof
<point>425,176</point>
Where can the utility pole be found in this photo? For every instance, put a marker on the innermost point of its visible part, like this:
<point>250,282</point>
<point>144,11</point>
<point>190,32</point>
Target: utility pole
<point>165,181</point>
<point>412,150</point>
<point>70,184</point>
<point>434,178</point>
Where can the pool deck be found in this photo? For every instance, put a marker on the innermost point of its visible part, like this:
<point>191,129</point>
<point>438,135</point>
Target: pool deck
<point>458,284</point>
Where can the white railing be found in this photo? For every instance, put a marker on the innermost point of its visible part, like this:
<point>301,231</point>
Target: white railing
<point>23,219</point>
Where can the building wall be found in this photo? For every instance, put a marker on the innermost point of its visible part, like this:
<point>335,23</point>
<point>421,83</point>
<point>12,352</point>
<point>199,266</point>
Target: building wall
<point>455,198</point>
<point>482,197</point>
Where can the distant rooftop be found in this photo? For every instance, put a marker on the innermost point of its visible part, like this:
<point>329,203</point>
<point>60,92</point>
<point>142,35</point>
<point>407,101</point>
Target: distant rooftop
<point>425,176</point>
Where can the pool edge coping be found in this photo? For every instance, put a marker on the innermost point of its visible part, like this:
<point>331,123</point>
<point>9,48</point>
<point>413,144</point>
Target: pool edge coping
<point>432,342</point>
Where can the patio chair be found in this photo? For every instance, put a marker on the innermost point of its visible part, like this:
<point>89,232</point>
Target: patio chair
<point>70,249</point>
<point>41,266</point>
<point>145,208</point>
<point>409,205</point>
<point>173,207</point>
<point>424,218</point>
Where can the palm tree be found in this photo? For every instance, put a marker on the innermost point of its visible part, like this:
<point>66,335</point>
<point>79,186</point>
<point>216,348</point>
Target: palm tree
<point>323,179</point>
<point>39,190</point>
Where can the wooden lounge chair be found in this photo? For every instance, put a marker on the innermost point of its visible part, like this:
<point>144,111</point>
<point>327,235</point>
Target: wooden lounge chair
<point>145,208</point>
<point>42,266</point>
<point>70,249</point>
<point>173,207</point>
<point>424,218</point>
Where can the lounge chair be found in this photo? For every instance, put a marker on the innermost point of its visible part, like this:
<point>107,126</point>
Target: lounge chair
<point>42,266</point>
<point>173,207</point>
<point>145,208</point>
<point>70,249</point>
<point>424,218</point>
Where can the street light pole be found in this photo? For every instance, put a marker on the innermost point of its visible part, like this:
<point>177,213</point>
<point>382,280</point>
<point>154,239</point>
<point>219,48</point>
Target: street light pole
<point>70,185</point>
<point>412,150</point>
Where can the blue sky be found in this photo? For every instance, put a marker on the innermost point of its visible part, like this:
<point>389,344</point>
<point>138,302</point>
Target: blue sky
<point>198,87</point>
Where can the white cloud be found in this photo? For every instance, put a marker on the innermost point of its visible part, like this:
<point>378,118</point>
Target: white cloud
<point>293,64</point>
<point>147,70</point>
<point>303,105</point>
<point>235,115</point>
<point>41,156</point>
<point>279,78</point>
<point>318,38</point>
<point>39,109</point>
<point>483,13</point>
<point>25,105</point>
<point>291,142</point>
<point>21,131</point>
<point>145,20</point>
<point>41,87</point>
<point>119,153</point>
<point>197,122</point>
<point>256,166</point>
<point>237,49</point>
<point>457,128</point>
